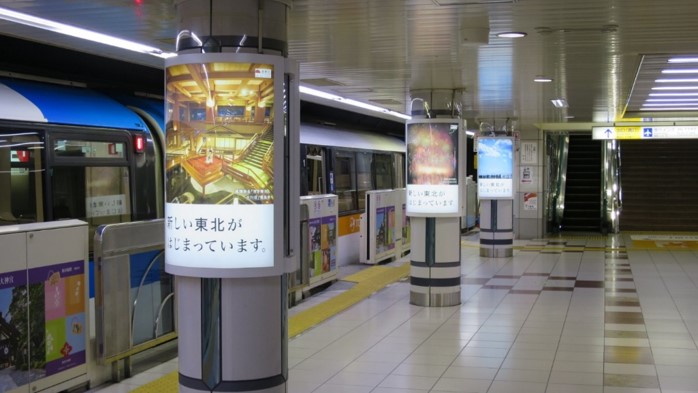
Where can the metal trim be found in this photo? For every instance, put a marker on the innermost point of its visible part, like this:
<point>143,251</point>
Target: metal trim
<point>437,264</point>
<point>435,282</point>
<point>497,242</point>
<point>496,230</point>
<point>233,386</point>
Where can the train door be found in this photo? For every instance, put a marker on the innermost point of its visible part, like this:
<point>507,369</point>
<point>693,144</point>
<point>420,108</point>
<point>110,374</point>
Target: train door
<point>315,171</point>
<point>90,178</point>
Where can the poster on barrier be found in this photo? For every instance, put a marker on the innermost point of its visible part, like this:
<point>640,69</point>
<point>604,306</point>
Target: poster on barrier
<point>322,237</point>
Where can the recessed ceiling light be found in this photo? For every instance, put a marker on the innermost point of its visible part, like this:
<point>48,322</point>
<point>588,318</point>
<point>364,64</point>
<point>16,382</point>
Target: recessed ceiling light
<point>560,103</point>
<point>569,117</point>
<point>512,34</point>
<point>683,60</point>
<point>673,94</point>
<point>677,80</point>
<point>678,108</point>
<point>681,71</point>
<point>680,103</point>
<point>542,79</point>
<point>671,100</point>
<point>60,28</point>
<point>675,88</point>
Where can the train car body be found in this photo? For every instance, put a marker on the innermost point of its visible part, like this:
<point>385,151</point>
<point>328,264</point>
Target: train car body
<point>349,162</point>
<point>71,152</point>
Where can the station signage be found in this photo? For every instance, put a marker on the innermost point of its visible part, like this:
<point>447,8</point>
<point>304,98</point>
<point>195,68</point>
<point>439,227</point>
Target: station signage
<point>646,133</point>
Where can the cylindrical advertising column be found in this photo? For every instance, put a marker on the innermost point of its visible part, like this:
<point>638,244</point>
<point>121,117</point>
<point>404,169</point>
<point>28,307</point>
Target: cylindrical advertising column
<point>435,183</point>
<point>231,203</point>
<point>495,185</point>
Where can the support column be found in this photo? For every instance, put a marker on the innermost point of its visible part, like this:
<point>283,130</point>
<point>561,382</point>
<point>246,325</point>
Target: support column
<point>436,168</point>
<point>496,228</point>
<point>229,259</point>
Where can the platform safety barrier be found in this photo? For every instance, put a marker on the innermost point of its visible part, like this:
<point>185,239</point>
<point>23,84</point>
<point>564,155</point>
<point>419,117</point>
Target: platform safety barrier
<point>134,296</point>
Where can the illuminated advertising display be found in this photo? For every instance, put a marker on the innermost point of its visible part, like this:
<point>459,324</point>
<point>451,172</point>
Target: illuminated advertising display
<point>222,112</point>
<point>433,176</point>
<point>495,170</point>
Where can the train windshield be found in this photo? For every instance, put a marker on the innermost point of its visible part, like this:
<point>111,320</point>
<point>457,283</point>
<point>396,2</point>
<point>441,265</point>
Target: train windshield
<point>21,177</point>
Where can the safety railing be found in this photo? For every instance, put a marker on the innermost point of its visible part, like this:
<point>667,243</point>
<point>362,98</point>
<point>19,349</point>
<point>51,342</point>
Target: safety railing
<point>134,296</point>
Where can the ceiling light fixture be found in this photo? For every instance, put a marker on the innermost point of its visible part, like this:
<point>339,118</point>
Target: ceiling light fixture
<point>77,32</point>
<point>680,103</point>
<point>671,100</point>
<point>673,94</point>
<point>559,103</point>
<point>680,71</point>
<point>675,88</point>
<point>683,60</point>
<point>349,101</point>
<point>677,80</point>
<point>542,79</point>
<point>512,34</point>
<point>672,109</point>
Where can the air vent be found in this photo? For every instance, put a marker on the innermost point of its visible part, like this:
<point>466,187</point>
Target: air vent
<point>450,3</point>
<point>324,82</point>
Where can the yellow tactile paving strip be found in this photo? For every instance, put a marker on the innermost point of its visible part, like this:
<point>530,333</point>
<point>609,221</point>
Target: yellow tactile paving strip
<point>368,281</point>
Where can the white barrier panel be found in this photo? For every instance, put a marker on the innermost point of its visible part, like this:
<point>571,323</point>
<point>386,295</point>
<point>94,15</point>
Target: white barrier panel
<point>43,284</point>
<point>322,235</point>
<point>383,226</point>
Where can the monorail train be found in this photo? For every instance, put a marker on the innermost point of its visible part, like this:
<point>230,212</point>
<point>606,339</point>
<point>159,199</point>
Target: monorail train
<point>71,152</point>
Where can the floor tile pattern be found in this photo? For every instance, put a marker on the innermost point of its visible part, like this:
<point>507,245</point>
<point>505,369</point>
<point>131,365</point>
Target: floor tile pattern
<point>563,315</point>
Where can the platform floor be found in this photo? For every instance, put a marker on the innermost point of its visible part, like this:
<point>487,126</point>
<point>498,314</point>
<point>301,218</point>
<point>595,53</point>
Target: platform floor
<point>568,314</point>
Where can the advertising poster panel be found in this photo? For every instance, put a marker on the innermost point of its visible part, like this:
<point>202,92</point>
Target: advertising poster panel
<point>54,299</point>
<point>222,112</point>
<point>433,177</point>
<point>14,354</point>
<point>495,171</point>
<point>323,231</point>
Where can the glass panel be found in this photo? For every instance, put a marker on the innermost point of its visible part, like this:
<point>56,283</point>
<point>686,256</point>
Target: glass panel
<point>399,169</point>
<point>383,164</point>
<point>345,183</point>
<point>21,178</point>
<point>98,195</point>
<point>363,176</point>
<point>315,180</point>
<point>88,149</point>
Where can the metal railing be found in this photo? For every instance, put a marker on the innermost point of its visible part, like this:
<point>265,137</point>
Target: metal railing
<point>129,317</point>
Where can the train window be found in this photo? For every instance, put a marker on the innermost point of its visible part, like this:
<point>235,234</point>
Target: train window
<point>383,169</point>
<point>399,170</point>
<point>316,181</point>
<point>97,195</point>
<point>363,176</point>
<point>21,177</point>
<point>88,149</point>
<point>345,181</point>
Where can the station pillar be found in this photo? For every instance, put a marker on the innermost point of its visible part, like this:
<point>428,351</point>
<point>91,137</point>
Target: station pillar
<point>435,198</point>
<point>230,236</point>
<point>496,228</point>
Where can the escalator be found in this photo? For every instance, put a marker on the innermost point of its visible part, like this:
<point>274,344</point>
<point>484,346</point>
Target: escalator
<point>582,201</point>
<point>660,186</point>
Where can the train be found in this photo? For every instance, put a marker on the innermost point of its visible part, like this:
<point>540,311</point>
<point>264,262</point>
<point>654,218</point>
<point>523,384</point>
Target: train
<point>68,151</point>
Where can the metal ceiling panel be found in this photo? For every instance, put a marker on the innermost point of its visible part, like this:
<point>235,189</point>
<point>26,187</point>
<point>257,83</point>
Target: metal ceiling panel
<point>379,51</point>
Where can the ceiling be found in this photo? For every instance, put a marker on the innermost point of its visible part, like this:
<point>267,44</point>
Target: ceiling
<point>389,51</point>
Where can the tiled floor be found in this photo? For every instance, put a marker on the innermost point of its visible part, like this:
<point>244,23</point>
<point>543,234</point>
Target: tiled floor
<point>581,315</point>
